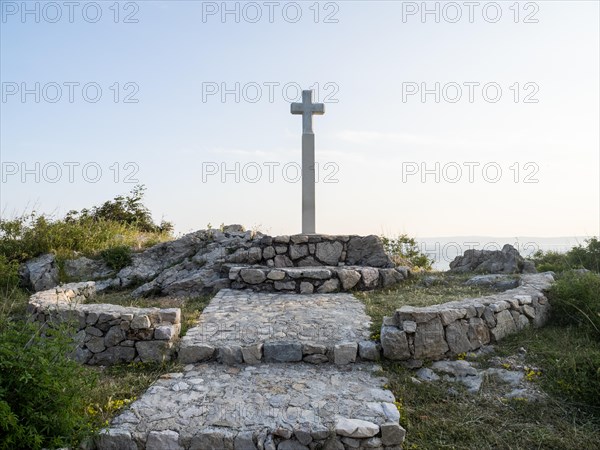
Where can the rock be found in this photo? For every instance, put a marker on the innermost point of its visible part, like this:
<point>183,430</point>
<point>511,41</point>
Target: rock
<point>478,333</point>
<point>96,344</point>
<point>282,351</point>
<point>252,354</point>
<point>390,277</point>
<point>316,359</point>
<point>285,285</point>
<point>233,228</point>
<point>283,261</point>
<point>153,351</point>
<point>409,326</point>
<point>269,252</point>
<point>370,277</point>
<point>394,343</point>
<point>505,325</point>
<point>429,340</point>
<point>39,273</point>
<point>113,355</point>
<point>349,278</point>
<point>163,440</point>
<point>306,287</point>
<point>456,336</point>
<point>329,253</point>
<point>497,281</point>
<point>165,332</point>
<point>329,286</point>
<point>458,368</point>
<point>298,251</point>
<point>369,350</point>
<point>367,251</point>
<point>276,275</point>
<point>115,439</point>
<point>230,355</point>
<point>355,428</point>
<point>195,353</point>
<point>427,374</point>
<point>253,276</point>
<point>291,445</point>
<point>114,336</point>
<point>345,353</point>
<point>507,260</point>
<point>83,269</point>
<point>244,441</point>
<point>392,434</point>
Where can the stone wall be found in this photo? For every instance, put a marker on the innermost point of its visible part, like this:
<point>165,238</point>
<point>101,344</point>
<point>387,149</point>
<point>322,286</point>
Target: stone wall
<point>448,329</point>
<point>320,279</point>
<point>108,334</point>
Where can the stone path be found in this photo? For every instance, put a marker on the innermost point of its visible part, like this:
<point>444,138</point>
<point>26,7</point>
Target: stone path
<point>270,396</point>
<point>283,406</point>
<point>244,326</point>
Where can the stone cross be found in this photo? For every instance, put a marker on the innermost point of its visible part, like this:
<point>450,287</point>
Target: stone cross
<point>307,108</point>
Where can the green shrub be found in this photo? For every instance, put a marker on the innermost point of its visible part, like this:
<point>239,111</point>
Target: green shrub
<point>42,392</point>
<point>579,257</point>
<point>575,299</point>
<point>117,257</point>
<point>9,273</point>
<point>404,251</point>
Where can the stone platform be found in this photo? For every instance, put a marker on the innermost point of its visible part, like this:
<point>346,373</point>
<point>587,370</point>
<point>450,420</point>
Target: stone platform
<point>249,327</point>
<point>269,406</point>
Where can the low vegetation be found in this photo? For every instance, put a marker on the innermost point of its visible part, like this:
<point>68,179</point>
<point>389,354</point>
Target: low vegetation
<point>404,251</point>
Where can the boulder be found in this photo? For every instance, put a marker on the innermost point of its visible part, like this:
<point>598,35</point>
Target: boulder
<point>507,260</point>
<point>83,269</point>
<point>39,273</point>
<point>367,251</point>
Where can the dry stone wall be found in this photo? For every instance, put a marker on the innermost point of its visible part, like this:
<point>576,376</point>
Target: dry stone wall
<point>452,328</point>
<point>108,334</point>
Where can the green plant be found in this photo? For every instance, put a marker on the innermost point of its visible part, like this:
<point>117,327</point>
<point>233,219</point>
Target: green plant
<point>575,299</point>
<point>585,257</point>
<point>9,273</point>
<point>117,257</point>
<point>404,250</point>
<point>41,389</point>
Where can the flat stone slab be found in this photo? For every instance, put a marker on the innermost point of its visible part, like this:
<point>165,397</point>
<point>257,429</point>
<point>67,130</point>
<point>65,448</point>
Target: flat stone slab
<point>253,327</point>
<point>268,406</point>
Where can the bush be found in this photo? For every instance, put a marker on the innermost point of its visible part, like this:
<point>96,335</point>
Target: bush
<point>579,257</point>
<point>117,257</point>
<point>41,390</point>
<point>404,251</point>
<point>575,299</point>
<point>9,274</point>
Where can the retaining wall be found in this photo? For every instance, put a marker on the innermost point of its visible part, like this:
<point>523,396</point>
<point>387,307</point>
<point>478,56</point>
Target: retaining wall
<point>108,334</point>
<point>440,331</point>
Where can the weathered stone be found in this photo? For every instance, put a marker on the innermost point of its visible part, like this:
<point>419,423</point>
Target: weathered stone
<point>154,351</point>
<point>429,340</point>
<point>329,286</point>
<point>163,440</point>
<point>139,322</point>
<point>478,333</point>
<point>269,252</point>
<point>313,349</point>
<point>345,353</point>
<point>116,439</point>
<point>306,287</point>
<point>418,315</point>
<point>456,336</point>
<point>394,343</point>
<point>349,278</point>
<point>489,317</point>
<point>96,344</point>
<point>426,374</point>
<point>370,277</point>
<point>282,351</point>
<point>283,261</point>
<point>298,251</point>
<point>113,355</point>
<point>315,359</point>
<point>303,435</point>
<point>171,315</point>
<point>449,315</point>
<point>39,273</point>
<point>529,311</point>
<point>329,252</point>
<point>230,355</point>
<point>392,434</point>
<point>244,441</point>
<point>195,353</point>
<point>281,239</point>
<point>409,326</point>
<point>86,269</point>
<point>165,332</point>
<point>291,445</point>
<point>253,276</point>
<point>114,336</point>
<point>252,354</point>
<point>369,350</point>
<point>212,439</point>
<point>285,285</point>
<point>367,251</point>
<point>276,275</point>
<point>355,428</point>
<point>505,325</point>
<point>507,260</point>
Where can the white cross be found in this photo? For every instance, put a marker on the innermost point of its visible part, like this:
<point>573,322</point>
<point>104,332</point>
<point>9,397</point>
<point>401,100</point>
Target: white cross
<point>307,108</point>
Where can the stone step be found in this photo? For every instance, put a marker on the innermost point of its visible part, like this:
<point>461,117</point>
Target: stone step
<point>242,326</point>
<point>309,279</point>
<point>267,407</point>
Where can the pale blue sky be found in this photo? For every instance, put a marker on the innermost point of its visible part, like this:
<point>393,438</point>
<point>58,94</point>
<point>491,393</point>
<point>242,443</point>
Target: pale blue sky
<point>370,133</point>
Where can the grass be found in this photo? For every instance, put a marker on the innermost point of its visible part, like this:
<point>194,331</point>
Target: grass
<point>436,418</point>
<point>414,292</point>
